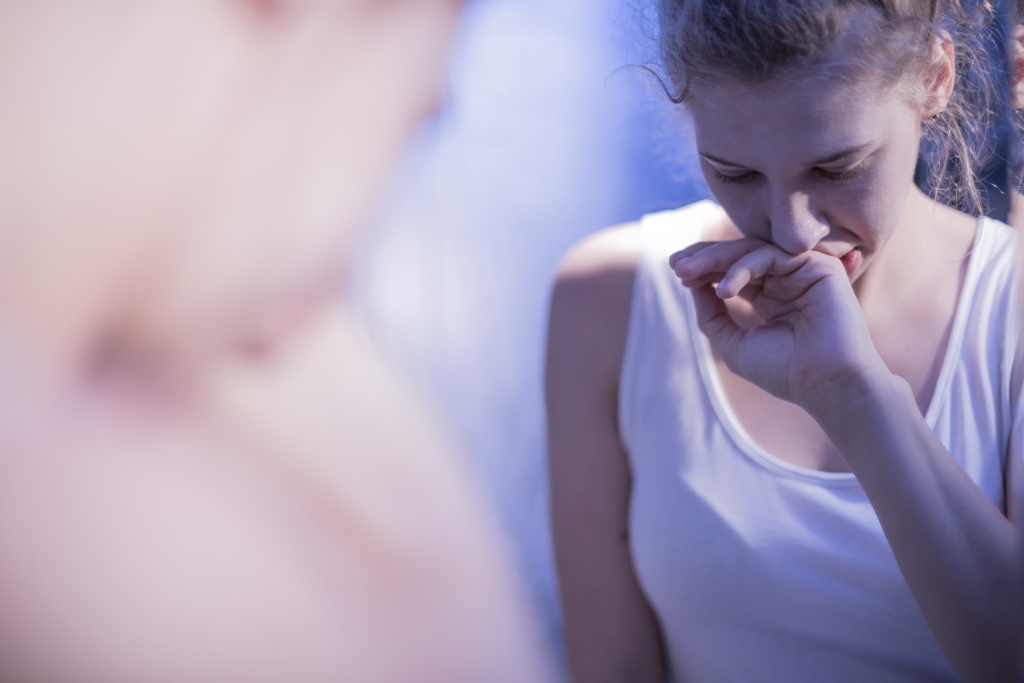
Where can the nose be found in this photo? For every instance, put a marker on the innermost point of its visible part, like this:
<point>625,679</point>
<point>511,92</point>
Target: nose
<point>796,227</point>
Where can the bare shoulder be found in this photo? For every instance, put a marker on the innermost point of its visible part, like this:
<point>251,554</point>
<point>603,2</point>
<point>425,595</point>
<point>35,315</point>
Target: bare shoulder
<point>591,299</point>
<point>593,291</point>
<point>300,524</point>
<point>616,246</point>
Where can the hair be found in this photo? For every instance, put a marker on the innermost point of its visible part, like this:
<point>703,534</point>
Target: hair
<point>1016,154</point>
<point>887,42</point>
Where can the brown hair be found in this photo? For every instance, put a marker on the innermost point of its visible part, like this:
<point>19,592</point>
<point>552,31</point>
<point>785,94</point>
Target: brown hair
<point>888,41</point>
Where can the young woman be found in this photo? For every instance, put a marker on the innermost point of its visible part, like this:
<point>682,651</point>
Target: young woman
<point>780,423</point>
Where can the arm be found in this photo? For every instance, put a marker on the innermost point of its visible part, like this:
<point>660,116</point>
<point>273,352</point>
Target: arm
<point>1015,512</point>
<point>611,632</point>
<point>956,550</point>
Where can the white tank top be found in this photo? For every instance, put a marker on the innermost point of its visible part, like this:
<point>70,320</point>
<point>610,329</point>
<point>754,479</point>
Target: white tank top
<point>760,570</point>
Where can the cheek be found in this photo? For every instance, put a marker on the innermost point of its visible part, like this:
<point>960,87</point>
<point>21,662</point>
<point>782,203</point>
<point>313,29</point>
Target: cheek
<point>744,210</point>
<point>875,203</point>
<point>892,186</point>
<point>742,203</point>
<point>870,211</point>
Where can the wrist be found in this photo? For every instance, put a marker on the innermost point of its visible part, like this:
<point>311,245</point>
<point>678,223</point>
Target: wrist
<point>845,406</point>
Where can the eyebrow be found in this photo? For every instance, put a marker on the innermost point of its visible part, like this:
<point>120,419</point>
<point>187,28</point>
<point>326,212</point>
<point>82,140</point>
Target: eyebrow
<point>850,151</point>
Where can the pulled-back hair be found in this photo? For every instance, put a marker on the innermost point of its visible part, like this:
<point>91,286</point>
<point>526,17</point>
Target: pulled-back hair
<point>885,41</point>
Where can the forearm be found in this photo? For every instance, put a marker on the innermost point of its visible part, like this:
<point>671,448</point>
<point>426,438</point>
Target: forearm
<point>957,551</point>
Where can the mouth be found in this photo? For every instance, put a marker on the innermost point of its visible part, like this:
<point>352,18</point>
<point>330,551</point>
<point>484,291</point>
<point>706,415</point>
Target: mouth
<point>851,261</point>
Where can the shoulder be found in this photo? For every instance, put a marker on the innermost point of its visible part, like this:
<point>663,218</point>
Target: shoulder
<point>596,278</point>
<point>590,308</point>
<point>996,266</point>
<point>315,515</point>
<point>600,268</point>
<point>590,304</point>
<point>593,295</point>
<point>1002,241</point>
<point>596,275</point>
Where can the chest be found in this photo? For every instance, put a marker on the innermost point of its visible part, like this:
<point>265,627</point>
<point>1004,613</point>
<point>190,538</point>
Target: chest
<point>737,553</point>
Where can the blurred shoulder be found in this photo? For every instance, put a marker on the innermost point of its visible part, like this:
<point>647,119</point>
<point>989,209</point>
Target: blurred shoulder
<point>309,517</point>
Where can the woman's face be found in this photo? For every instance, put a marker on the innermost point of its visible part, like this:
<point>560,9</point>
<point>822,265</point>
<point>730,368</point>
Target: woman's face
<point>809,164</point>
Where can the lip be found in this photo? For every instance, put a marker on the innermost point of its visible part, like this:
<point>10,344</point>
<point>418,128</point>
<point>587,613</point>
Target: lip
<point>851,261</point>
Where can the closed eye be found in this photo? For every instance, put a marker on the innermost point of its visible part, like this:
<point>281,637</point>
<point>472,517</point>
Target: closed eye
<point>839,176</point>
<point>735,179</point>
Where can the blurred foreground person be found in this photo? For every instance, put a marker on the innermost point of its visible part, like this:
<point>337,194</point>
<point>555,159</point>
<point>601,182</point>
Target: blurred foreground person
<point>207,471</point>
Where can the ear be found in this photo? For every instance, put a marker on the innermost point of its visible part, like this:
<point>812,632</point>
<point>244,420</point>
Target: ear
<point>941,76</point>
<point>1016,55</point>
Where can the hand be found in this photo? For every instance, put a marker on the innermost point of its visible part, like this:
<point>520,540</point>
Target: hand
<point>812,342</point>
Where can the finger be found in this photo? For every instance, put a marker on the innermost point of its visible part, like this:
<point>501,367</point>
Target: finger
<point>754,286</point>
<point>714,321</point>
<point>687,253</point>
<point>702,280</point>
<point>754,266</point>
<point>715,257</point>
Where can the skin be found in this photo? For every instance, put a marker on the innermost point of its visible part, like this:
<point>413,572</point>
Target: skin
<point>208,471</point>
<point>833,387</point>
